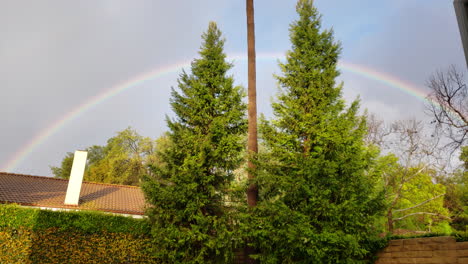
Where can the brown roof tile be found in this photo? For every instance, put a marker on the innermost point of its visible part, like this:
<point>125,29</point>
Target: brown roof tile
<point>50,192</point>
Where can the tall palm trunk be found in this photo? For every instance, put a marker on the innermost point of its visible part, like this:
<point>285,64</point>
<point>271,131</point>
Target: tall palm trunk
<point>252,142</point>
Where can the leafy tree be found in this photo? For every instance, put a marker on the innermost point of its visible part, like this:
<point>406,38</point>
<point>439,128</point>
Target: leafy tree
<point>160,146</point>
<point>186,190</point>
<point>318,196</point>
<point>63,172</point>
<point>464,158</point>
<point>415,201</point>
<point>412,162</point>
<point>456,197</point>
<point>123,160</point>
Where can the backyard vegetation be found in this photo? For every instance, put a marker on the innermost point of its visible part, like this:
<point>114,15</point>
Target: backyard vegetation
<point>331,181</point>
<point>319,200</point>
<point>41,236</point>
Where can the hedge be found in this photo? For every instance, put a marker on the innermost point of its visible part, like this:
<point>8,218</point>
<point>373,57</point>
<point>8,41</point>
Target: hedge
<point>41,236</point>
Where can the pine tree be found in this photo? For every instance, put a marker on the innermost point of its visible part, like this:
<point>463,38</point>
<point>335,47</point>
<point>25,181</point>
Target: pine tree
<point>317,193</point>
<point>186,192</point>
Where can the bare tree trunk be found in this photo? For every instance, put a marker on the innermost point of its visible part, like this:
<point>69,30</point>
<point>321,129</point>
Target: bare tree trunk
<point>252,143</point>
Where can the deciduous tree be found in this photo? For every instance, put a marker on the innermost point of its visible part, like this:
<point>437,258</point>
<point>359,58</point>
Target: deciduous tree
<point>123,160</point>
<point>63,172</point>
<point>456,197</point>
<point>410,163</point>
<point>449,105</point>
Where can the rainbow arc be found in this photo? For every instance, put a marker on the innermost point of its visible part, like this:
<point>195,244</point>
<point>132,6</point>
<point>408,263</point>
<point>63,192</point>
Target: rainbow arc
<point>158,72</point>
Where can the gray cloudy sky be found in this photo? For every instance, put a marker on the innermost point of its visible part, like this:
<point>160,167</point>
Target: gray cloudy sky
<point>56,55</point>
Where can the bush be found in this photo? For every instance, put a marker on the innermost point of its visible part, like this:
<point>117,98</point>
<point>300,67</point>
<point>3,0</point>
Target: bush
<point>42,236</point>
<point>14,216</point>
<point>461,236</point>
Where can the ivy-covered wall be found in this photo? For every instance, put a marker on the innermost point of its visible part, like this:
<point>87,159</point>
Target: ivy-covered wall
<point>41,236</point>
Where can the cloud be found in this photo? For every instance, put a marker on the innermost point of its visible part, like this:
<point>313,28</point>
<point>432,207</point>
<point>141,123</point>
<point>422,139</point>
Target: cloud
<point>55,55</point>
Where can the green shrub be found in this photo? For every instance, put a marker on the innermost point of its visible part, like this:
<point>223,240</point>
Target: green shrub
<point>14,216</point>
<point>42,236</point>
<point>461,236</point>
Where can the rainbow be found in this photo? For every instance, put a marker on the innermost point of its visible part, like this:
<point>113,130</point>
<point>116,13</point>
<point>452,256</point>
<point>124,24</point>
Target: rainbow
<point>135,82</point>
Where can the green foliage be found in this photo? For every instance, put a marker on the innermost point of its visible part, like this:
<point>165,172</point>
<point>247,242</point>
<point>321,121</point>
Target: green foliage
<point>63,172</point>
<point>456,197</point>
<point>461,236</point>
<point>14,216</point>
<point>188,187</point>
<point>22,245</point>
<point>414,192</point>
<point>15,244</point>
<point>464,157</point>
<point>319,197</point>
<point>41,236</point>
<point>416,201</point>
<point>123,160</point>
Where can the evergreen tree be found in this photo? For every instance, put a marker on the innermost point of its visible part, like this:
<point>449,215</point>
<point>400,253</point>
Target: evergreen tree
<point>317,193</point>
<point>187,189</point>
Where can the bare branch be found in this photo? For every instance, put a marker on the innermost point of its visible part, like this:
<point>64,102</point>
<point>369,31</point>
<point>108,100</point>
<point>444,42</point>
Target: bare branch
<point>448,104</point>
<point>420,213</point>
<point>377,131</point>
<point>425,202</point>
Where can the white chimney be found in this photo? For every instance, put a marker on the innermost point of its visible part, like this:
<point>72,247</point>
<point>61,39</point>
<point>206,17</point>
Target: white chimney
<point>76,178</point>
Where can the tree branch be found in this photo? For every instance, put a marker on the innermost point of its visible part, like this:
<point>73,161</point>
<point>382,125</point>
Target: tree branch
<point>425,202</point>
<point>419,213</point>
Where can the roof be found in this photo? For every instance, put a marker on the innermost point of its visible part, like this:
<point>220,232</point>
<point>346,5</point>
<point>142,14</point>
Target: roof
<point>50,192</point>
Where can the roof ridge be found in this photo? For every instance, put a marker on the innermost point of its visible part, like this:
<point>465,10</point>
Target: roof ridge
<point>112,184</point>
<point>32,176</point>
<point>58,179</point>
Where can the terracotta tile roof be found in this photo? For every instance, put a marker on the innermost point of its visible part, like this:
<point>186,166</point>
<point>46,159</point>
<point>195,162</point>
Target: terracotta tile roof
<point>50,192</point>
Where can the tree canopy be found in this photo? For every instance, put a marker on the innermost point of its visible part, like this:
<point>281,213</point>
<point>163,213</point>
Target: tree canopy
<point>123,160</point>
<point>187,190</point>
<point>318,196</point>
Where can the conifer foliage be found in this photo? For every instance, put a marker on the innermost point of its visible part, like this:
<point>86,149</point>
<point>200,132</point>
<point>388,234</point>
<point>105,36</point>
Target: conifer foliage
<point>187,189</point>
<point>317,193</point>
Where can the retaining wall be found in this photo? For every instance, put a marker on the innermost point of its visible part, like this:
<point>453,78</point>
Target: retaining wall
<point>424,250</point>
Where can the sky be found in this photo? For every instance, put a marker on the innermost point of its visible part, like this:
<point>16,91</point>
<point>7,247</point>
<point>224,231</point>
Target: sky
<point>73,73</point>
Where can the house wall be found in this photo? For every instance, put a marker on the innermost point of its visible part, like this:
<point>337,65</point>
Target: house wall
<point>461,11</point>
<point>424,250</point>
<point>77,210</point>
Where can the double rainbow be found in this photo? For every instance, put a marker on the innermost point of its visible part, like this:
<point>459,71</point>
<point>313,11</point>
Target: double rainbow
<point>135,82</point>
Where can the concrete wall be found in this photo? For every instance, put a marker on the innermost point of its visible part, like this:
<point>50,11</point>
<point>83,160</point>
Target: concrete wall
<point>424,250</point>
<point>461,11</point>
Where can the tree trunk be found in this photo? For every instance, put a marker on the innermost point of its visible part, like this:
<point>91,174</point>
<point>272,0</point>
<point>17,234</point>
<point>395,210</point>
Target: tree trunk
<point>390,221</point>
<point>252,143</point>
